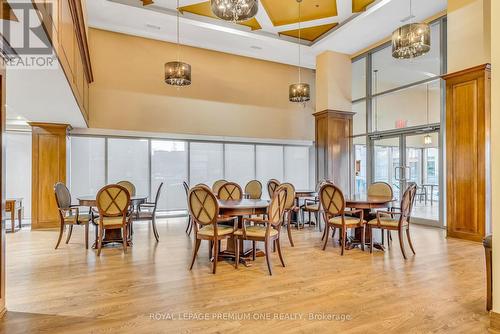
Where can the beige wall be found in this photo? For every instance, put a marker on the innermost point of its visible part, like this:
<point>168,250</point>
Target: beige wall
<point>469,27</point>
<point>333,81</point>
<point>230,95</point>
<point>495,150</point>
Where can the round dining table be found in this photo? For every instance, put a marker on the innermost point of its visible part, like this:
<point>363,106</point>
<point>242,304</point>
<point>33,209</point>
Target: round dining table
<point>367,204</point>
<point>243,207</point>
<point>110,235</point>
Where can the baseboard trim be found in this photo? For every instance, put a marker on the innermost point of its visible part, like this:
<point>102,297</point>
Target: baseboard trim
<point>494,323</point>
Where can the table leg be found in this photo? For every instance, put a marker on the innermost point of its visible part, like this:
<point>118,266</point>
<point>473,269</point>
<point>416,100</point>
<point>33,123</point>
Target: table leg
<point>13,219</point>
<point>245,246</point>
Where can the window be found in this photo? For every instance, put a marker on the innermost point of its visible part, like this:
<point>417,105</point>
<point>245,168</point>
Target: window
<point>239,163</point>
<point>359,79</point>
<point>169,164</point>
<point>206,163</point>
<point>389,73</point>
<point>128,161</point>
<point>297,166</point>
<point>18,168</point>
<point>269,165</point>
<point>360,165</point>
<point>87,168</point>
<point>359,118</point>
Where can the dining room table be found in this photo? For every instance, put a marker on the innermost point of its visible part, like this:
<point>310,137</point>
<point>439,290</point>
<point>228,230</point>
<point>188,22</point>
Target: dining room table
<point>239,209</point>
<point>111,236</point>
<point>367,204</point>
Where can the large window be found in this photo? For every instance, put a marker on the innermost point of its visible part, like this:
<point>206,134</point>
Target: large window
<point>169,164</point>
<point>96,161</point>
<point>18,168</point>
<point>128,160</point>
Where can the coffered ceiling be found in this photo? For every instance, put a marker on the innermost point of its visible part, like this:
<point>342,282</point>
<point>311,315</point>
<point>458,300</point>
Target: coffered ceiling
<point>345,26</point>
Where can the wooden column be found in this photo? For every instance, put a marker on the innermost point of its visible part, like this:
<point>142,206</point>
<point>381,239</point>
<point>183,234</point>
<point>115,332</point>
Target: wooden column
<point>333,147</point>
<point>468,152</point>
<point>48,167</point>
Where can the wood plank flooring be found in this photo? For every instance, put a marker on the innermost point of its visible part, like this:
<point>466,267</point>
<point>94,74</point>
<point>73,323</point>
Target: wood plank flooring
<point>71,290</point>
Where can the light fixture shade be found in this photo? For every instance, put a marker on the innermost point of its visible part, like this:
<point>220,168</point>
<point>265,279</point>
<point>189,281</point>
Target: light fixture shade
<point>234,10</point>
<point>177,73</point>
<point>428,140</point>
<point>299,92</point>
<point>411,41</point>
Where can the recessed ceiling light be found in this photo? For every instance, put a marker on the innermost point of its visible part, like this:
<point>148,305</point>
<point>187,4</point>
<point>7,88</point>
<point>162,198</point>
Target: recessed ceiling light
<point>256,47</point>
<point>152,26</point>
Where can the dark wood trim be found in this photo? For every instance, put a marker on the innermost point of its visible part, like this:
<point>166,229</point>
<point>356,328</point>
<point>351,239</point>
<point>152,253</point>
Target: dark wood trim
<point>494,323</point>
<point>81,37</point>
<point>483,67</point>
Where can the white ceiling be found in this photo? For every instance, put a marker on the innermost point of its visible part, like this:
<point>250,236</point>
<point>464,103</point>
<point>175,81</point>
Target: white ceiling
<point>354,34</point>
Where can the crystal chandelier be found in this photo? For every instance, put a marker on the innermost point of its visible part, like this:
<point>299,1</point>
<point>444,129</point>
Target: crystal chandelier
<point>411,40</point>
<point>178,73</point>
<point>299,92</point>
<point>234,10</point>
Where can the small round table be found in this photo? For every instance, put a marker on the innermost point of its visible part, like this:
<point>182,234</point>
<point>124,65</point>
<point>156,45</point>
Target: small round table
<point>244,207</point>
<point>110,235</point>
<point>367,203</point>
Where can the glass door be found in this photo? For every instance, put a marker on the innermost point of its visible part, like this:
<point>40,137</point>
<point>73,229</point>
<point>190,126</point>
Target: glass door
<point>422,158</point>
<point>387,163</point>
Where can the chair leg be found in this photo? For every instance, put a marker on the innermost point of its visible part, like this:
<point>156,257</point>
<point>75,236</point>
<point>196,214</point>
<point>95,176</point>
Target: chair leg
<point>155,231</point>
<point>318,219</point>
<point>325,231</point>
<point>309,221</point>
<point>401,243</point>
<point>289,228</point>
<point>254,251</point>
<point>371,238</point>
<point>303,219</point>
<point>70,232</point>
<point>278,245</point>
<point>268,256</point>
<point>61,232</point>
<point>197,243</point>
<point>87,235</point>
<point>326,235</point>
<point>188,227</point>
<point>236,252</point>
<point>125,237</point>
<point>383,238</point>
<point>216,256</point>
<point>99,240</point>
<point>344,236</point>
<point>389,238</point>
<point>409,240</point>
<point>210,250</point>
<point>363,238</point>
<point>333,232</point>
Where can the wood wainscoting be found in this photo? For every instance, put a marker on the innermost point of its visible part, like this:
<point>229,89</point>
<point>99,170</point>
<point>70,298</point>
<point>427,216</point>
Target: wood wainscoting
<point>468,152</point>
<point>49,143</point>
<point>333,147</point>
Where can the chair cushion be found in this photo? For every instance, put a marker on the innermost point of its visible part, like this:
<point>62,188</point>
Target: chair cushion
<point>221,230</point>
<point>257,231</point>
<point>112,221</point>
<point>347,219</point>
<point>82,218</point>
<point>312,207</point>
<point>387,221</point>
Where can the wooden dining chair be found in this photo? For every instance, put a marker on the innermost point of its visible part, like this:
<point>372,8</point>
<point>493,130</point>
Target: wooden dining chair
<point>69,215</point>
<point>385,220</point>
<point>312,207</point>
<point>290,208</point>
<point>147,211</point>
<point>129,186</point>
<point>253,189</point>
<point>204,210</point>
<point>230,191</point>
<point>113,202</point>
<point>380,189</point>
<point>265,230</point>
<point>217,184</point>
<point>189,226</point>
<point>333,203</point>
<point>272,185</point>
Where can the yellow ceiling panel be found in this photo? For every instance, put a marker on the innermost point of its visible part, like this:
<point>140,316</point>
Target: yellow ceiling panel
<point>310,34</point>
<point>204,9</point>
<point>360,5</point>
<point>283,12</point>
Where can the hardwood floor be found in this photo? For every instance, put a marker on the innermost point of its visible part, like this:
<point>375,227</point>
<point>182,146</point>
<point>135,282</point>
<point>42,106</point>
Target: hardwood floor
<point>71,290</point>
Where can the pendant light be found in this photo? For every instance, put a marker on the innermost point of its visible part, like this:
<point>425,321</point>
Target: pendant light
<point>428,138</point>
<point>411,40</point>
<point>234,10</point>
<point>178,73</point>
<point>299,92</point>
